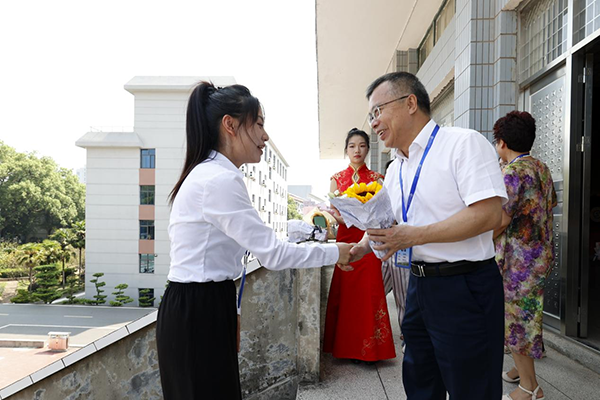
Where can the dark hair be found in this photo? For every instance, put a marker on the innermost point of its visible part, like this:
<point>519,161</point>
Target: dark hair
<point>404,83</point>
<point>357,132</point>
<point>206,108</point>
<point>517,130</point>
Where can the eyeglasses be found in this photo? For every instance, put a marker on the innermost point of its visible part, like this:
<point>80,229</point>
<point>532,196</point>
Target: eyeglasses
<point>376,113</point>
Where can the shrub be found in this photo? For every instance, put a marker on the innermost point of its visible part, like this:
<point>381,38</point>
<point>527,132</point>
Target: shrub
<point>100,298</point>
<point>23,296</point>
<point>120,297</point>
<point>47,277</point>
<point>12,273</point>
<point>146,299</point>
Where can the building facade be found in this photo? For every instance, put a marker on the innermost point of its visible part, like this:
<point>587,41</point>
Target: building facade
<point>129,177</point>
<point>480,59</point>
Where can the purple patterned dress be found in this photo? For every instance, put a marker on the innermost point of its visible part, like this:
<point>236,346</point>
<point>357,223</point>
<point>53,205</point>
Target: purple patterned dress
<point>524,252</point>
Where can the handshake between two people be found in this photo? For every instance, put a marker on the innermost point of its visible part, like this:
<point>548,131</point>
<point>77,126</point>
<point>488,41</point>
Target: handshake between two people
<point>390,240</point>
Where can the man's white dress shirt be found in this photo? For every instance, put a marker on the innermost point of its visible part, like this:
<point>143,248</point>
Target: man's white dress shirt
<point>213,223</point>
<point>460,169</point>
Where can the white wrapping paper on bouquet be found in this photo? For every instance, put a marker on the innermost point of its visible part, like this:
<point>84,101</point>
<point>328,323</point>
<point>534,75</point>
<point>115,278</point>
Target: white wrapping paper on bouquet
<point>376,213</point>
<point>300,231</point>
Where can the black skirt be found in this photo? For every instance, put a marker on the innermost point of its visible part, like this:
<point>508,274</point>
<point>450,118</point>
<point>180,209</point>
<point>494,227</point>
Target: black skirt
<point>196,340</point>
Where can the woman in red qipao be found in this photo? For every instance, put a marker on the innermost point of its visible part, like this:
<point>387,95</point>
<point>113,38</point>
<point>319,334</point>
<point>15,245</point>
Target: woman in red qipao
<point>357,325</point>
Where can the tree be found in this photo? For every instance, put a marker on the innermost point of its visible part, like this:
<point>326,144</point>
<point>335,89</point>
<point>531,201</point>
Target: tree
<point>35,193</point>
<point>64,237</point>
<point>50,252</point>
<point>47,280</point>
<point>292,209</point>
<point>120,297</point>
<point>100,298</point>
<point>78,242</point>
<point>29,256</point>
<point>146,298</point>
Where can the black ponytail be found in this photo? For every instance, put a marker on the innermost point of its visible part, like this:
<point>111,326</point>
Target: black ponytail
<point>206,108</point>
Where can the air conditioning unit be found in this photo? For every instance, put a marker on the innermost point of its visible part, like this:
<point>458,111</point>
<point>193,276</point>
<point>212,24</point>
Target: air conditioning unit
<point>264,183</point>
<point>251,175</point>
<point>269,161</point>
<point>262,208</point>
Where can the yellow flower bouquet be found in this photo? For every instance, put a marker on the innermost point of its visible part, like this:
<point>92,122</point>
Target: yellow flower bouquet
<point>366,206</point>
<point>362,191</point>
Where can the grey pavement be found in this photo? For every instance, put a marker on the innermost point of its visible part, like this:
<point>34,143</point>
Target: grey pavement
<point>85,323</point>
<point>560,377</point>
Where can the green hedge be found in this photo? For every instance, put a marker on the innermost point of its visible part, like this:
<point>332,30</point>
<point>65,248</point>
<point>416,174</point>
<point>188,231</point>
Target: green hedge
<point>12,273</point>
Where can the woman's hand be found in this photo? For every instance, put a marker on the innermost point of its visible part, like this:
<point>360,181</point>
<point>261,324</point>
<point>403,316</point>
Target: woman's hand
<point>336,214</point>
<point>344,257</point>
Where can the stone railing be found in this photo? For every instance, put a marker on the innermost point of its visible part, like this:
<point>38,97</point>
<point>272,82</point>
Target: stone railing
<point>280,341</point>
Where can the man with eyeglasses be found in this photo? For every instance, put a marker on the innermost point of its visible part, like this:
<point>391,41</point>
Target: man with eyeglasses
<point>447,192</point>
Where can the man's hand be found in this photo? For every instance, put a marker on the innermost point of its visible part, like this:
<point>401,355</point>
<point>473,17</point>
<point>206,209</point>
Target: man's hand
<point>344,257</point>
<point>393,239</point>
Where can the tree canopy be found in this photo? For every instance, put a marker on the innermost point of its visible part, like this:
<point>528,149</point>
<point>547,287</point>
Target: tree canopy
<point>36,194</point>
<point>292,209</point>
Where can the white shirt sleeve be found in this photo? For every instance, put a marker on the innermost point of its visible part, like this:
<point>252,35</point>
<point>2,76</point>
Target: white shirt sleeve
<point>226,206</point>
<point>478,174</point>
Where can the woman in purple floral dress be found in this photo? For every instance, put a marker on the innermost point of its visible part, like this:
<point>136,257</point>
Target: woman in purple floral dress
<point>524,250</point>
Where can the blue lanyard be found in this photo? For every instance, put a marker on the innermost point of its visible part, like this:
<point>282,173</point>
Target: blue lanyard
<point>517,157</point>
<point>417,175</point>
<point>246,256</point>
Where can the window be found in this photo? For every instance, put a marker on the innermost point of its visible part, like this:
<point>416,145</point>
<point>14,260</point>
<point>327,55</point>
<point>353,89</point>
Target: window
<point>146,263</point>
<point>269,216</point>
<point>269,194</point>
<point>259,177</point>
<point>147,194</point>
<point>148,158</point>
<point>253,198</point>
<point>436,29</point>
<point>146,229</point>
<point>146,297</point>
<point>270,177</point>
<point>444,18</point>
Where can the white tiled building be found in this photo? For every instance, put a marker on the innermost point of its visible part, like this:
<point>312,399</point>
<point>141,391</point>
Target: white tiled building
<point>479,60</point>
<point>130,175</point>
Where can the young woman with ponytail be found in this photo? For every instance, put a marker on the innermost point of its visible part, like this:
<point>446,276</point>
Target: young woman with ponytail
<point>212,224</point>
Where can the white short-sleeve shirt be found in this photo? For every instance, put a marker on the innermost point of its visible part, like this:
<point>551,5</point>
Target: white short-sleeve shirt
<point>461,169</point>
<point>213,223</point>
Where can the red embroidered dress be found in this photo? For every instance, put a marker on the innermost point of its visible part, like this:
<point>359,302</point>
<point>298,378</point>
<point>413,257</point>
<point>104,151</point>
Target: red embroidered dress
<point>357,324</point>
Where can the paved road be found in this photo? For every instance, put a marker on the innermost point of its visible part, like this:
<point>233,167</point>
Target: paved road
<point>85,323</point>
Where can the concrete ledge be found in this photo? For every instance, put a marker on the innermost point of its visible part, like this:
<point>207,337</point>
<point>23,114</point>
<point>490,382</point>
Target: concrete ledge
<point>576,351</point>
<point>36,344</point>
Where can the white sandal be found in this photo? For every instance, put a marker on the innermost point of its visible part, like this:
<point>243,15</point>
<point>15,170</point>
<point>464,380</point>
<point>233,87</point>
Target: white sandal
<point>533,394</point>
<point>508,379</point>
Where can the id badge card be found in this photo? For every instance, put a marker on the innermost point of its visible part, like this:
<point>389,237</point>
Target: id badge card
<point>403,258</point>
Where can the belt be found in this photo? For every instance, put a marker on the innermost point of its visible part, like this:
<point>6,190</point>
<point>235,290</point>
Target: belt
<point>423,269</point>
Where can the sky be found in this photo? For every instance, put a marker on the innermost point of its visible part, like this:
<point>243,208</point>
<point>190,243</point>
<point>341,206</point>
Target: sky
<point>64,65</point>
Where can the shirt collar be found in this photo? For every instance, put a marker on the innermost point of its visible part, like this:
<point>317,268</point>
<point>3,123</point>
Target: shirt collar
<point>350,167</point>
<point>223,161</point>
<point>421,139</point>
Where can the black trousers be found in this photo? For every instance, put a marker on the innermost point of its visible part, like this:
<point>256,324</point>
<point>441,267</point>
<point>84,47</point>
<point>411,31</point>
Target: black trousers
<point>454,334</point>
<point>196,340</point>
